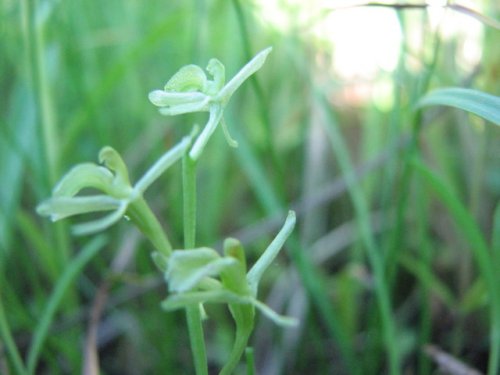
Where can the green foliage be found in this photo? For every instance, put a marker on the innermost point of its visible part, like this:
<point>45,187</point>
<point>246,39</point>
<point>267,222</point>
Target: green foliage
<point>395,186</point>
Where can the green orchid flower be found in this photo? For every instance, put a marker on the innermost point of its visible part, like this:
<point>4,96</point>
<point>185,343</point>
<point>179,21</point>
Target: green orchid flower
<point>201,275</point>
<point>118,195</point>
<point>189,90</point>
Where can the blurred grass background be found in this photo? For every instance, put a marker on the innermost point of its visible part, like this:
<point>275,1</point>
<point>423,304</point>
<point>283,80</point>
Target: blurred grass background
<point>327,127</point>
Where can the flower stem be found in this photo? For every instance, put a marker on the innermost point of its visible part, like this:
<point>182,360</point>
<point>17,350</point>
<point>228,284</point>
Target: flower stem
<point>193,314</point>
<point>142,216</point>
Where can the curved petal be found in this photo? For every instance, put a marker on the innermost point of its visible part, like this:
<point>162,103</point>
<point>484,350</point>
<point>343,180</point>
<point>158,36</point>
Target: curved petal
<point>113,161</point>
<point>102,223</point>
<point>187,268</point>
<point>61,207</point>
<point>82,176</point>
<point>162,98</point>
<point>215,116</point>
<point>188,78</point>
<point>273,315</point>
<point>271,252</point>
<point>250,68</point>
<point>178,301</point>
<point>181,109</point>
<point>169,158</point>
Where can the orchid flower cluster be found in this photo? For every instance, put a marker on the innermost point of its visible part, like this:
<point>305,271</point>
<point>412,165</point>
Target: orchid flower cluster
<point>194,276</point>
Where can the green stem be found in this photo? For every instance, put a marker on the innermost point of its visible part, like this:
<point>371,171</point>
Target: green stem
<point>10,345</point>
<point>193,314</point>
<point>250,361</point>
<point>239,346</point>
<point>142,216</point>
<point>35,44</point>
<point>189,191</point>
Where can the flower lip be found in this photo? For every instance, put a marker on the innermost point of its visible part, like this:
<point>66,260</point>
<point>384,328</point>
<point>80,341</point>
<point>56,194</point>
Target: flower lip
<point>190,91</point>
<point>112,180</point>
<point>161,98</point>
<point>188,273</point>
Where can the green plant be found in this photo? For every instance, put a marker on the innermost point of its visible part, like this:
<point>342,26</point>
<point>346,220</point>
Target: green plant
<point>195,275</point>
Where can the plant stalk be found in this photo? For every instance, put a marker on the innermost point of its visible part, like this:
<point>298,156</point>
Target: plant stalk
<point>142,216</point>
<point>193,314</point>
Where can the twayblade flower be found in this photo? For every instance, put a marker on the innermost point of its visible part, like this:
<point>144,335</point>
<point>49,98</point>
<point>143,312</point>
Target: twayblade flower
<point>112,181</point>
<point>200,276</point>
<point>189,90</point>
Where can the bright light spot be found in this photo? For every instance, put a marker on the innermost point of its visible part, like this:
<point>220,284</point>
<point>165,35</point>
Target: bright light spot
<point>364,41</point>
<point>363,44</point>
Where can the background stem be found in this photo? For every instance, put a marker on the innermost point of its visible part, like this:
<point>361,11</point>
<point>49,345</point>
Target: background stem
<point>193,314</point>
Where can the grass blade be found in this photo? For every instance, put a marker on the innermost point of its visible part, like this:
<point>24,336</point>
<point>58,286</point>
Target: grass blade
<point>484,105</point>
<point>472,234</point>
<point>73,269</point>
<point>375,256</point>
<point>8,341</point>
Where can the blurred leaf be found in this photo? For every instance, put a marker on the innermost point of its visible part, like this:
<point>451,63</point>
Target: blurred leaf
<point>17,141</point>
<point>484,105</point>
<point>430,281</point>
<point>72,270</point>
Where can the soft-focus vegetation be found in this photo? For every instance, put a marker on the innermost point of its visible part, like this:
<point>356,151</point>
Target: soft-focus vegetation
<point>395,260</point>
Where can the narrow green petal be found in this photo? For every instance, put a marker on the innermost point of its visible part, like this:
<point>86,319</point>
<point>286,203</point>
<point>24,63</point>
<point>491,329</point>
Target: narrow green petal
<point>162,98</point>
<point>178,301</point>
<point>183,281</point>
<point>250,68</point>
<point>169,158</point>
<point>186,269</point>
<point>265,260</point>
<point>113,161</point>
<point>181,109</point>
<point>100,224</point>
<point>216,112</point>
<point>86,175</point>
<point>61,207</point>
<point>218,71</point>
<point>230,140</point>
<point>271,314</point>
<point>182,300</point>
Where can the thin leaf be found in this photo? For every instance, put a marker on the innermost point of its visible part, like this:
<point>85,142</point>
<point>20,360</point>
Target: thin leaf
<point>484,105</point>
<point>69,275</point>
<point>479,248</point>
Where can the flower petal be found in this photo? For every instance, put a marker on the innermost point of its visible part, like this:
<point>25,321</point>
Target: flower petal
<point>102,223</point>
<point>271,252</point>
<point>61,207</point>
<point>187,268</point>
<point>216,112</point>
<point>250,68</point>
<point>162,98</point>
<point>113,161</point>
<point>82,176</point>
<point>178,301</point>
<point>188,78</point>
<point>181,109</point>
<point>169,158</point>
